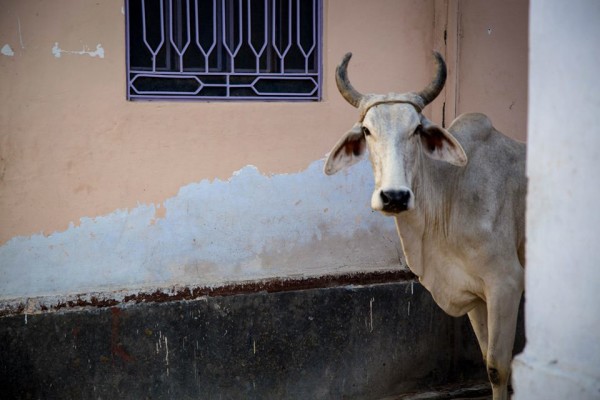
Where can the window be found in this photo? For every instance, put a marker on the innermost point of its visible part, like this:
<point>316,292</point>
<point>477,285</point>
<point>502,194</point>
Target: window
<point>224,49</point>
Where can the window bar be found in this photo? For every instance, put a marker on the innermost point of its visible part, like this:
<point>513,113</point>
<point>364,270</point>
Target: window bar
<point>279,93</point>
<point>188,32</point>
<point>168,18</point>
<point>307,53</point>
<point>320,48</point>
<point>281,54</point>
<point>176,26</point>
<point>206,53</point>
<point>162,36</point>
<point>268,29</point>
<point>289,39</point>
<point>127,51</point>
<point>220,39</point>
<point>257,55</point>
<point>232,52</point>
<point>175,45</point>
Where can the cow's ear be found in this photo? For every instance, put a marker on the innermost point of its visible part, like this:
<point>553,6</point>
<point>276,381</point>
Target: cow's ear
<point>439,144</point>
<point>349,150</point>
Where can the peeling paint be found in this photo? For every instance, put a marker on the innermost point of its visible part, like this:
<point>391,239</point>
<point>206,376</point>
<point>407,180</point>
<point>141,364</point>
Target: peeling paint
<point>246,228</point>
<point>7,50</point>
<point>99,52</point>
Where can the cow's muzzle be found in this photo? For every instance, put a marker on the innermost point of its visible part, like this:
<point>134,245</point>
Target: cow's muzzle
<point>395,201</point>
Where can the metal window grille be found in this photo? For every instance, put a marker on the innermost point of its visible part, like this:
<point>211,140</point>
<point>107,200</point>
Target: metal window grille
<point>224,49</point>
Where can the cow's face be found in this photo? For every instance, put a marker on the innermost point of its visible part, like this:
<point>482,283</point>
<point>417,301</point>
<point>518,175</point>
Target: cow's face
<point>396,135</point>
<point>389,134</point>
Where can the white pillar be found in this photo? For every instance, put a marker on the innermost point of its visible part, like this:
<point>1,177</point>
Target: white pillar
<point>562,356</point>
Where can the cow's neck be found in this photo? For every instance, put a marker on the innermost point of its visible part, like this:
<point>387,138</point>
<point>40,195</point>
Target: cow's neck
<point>410,227</point>
<point>430,219</point>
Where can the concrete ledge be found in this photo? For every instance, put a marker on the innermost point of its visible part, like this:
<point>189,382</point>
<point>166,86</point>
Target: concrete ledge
<point>350,342</point>
<point>91,300</point>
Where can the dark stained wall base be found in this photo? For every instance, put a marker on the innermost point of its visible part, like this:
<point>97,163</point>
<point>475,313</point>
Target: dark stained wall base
<point>123,298</point>
<point>351,342</point>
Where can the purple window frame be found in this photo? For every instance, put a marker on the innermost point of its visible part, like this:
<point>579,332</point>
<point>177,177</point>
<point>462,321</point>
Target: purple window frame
<point>176,64</point>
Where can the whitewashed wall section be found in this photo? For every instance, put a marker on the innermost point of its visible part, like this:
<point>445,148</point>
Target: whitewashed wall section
<point>249,227</point>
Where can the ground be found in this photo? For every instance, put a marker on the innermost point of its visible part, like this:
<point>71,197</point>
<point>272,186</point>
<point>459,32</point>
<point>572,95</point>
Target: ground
<point>475,391</point>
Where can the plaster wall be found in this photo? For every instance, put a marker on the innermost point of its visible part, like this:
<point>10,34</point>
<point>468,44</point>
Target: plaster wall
<point>562,356</point>
<point>491,63</point>
<point>73,147</point>
<point>97,193</point>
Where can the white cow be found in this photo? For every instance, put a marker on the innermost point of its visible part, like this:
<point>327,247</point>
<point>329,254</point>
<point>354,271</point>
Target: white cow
<point>458,198</point>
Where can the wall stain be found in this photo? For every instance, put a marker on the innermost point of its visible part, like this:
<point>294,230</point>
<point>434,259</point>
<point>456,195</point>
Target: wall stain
<point>116,347</point>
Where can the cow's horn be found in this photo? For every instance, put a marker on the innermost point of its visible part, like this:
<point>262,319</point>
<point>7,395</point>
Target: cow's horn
<point>351,95</point>
<point>437,84</point>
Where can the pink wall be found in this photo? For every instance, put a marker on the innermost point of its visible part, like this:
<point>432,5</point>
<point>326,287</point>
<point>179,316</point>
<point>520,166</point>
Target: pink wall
<point>492,62</point>
<point>72,146</point>
<point>132,194</point>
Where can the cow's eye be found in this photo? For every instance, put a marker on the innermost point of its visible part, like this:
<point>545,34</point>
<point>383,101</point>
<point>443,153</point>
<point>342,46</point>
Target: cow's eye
<point>366,131</point>
<point>418,129</point>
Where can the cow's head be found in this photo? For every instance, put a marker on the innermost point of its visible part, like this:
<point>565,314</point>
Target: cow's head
<point>397,134</point>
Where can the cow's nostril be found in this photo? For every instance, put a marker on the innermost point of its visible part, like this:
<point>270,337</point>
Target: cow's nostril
<point>384,198</point>
<point>395,200</point>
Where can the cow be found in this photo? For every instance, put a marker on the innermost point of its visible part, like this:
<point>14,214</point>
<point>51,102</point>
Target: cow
<point>458,199</point>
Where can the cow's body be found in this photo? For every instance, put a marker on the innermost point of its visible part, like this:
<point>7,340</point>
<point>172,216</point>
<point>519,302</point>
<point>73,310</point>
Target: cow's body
<point>466,248</point>
<point>458,198</point>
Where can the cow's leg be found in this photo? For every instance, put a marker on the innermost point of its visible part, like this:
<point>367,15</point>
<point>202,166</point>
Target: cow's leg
<point>503,309</point>
<point>479,320</point>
